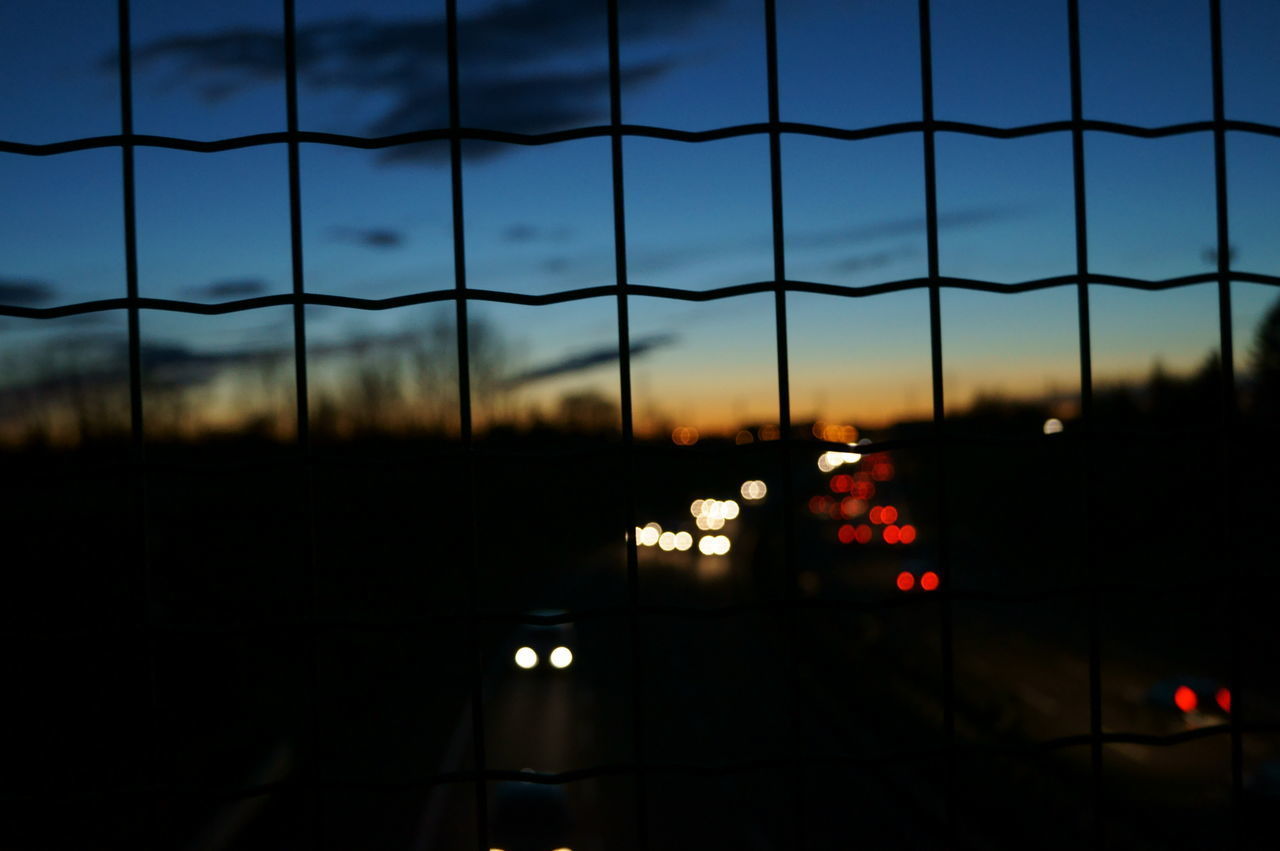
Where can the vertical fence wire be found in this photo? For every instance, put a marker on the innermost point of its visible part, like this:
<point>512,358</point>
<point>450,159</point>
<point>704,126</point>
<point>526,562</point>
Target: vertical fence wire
<point>295,229</point>
<point>779,281</point>
<point>790,585</point>
<point>137,443</point>
<point>1085,456</point>
<point>125,70</point>
<point>1228,422</point>
<point>466,435</point>
<point>626,407</point>
<point>939,415</point>
<point>302,436</point>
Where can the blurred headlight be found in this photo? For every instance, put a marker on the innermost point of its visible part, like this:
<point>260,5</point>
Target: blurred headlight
<point>561,657</point>
<point>526,658</point>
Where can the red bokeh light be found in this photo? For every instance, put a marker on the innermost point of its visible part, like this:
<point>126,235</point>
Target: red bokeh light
<point>906,581</point>
<point>846,534</point>
<point>875,515</point>
<point>863,533</point>
<point>891,534</point>
<point>882,472</point>
<point>1185,698</point>
<point>818,504</point>
<point>862,490</point>
<point>851,506</point>
<point>889,514</point>
<point>907,534</point>
<point>929,580</point>
<point>1223,697</point>
<point>841,483</point>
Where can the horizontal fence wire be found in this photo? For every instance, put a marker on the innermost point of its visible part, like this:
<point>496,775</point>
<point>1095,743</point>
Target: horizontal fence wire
<point>633,289</point>
<point>428,620</point>
<point>1028,750</point>
<point>636,130</point>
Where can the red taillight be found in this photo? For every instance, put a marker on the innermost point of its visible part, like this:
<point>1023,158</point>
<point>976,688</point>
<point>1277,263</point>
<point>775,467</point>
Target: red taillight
<point>851,506</point>
<point>862,489</point>
<point>889,514</point>
<point>846,534</point>
<point>929,581</point>
<point>907,534</point>
<point>891,534</point>
<point>1185,698</point>
<point>863,533</point>
<point>1223,697</point>
<point>906,581</point>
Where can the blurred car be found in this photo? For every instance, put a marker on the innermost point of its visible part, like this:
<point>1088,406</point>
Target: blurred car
<point>1198,699</point>
<point>543,648</point>
<point>529,817</point>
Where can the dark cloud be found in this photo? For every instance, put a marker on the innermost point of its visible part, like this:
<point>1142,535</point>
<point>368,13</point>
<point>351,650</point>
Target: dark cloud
<point>874,260</point>
<point>244,288</point>
<point>907,226</point>
<point>587,360</point>
<point>529,66</point>
<point>24,292</point>
<point>525,232</point>
<point>369,237</point>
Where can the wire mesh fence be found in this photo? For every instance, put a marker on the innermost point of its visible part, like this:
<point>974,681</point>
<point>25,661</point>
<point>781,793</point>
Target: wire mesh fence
<point>471,618</point>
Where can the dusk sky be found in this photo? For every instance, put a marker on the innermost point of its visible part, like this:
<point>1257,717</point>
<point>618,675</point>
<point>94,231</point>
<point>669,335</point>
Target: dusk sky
<point>215,227</point>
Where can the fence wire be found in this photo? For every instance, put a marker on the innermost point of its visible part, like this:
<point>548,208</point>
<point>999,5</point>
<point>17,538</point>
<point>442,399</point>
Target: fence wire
<point>1093,590</point>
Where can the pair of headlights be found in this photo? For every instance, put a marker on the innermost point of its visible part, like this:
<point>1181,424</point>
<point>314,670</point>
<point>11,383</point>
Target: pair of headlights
<point>527,657</point>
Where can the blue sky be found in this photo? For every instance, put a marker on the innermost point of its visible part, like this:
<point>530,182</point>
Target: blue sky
<point>539,219</point>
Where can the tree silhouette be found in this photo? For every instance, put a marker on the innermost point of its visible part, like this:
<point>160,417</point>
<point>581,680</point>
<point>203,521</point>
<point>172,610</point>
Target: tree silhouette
<point>1265,365</point>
